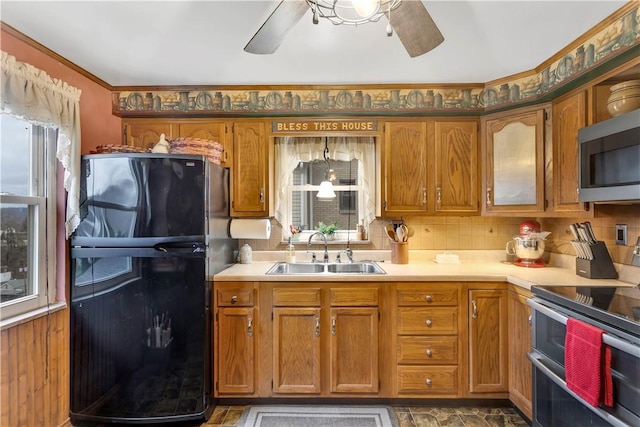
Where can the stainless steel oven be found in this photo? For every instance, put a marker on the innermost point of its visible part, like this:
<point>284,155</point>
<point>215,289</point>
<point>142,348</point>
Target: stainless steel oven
<point>554,404</point>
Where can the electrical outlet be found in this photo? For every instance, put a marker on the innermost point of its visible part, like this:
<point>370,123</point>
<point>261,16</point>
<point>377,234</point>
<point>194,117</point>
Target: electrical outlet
<point>621,234</point>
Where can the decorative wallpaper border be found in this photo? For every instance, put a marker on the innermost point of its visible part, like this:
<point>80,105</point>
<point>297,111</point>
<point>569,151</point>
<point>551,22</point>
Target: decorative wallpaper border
<point>618,37</point>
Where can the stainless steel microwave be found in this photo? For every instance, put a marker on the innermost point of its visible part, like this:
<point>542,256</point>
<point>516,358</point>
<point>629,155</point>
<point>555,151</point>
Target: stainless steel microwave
<point>609,160</point>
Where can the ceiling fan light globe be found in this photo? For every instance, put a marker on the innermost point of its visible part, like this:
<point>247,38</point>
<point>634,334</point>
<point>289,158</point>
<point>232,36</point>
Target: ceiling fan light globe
<point>366,8</point>
<point>326,191</point>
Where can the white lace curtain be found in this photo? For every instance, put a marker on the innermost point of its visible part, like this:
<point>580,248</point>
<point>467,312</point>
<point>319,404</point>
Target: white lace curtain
<point>290,151</point>
<point>31,94</point>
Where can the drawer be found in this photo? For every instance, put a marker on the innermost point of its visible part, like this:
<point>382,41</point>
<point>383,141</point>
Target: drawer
<point>436,295</point>
<point>427,321</point>
<point>428,379</point>
<point>349,297</point>
<point>296,297</point>
<point>236,297</point>
<point>427,350</point>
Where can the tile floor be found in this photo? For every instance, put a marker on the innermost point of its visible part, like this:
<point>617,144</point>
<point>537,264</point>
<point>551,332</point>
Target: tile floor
<point>228,416</point>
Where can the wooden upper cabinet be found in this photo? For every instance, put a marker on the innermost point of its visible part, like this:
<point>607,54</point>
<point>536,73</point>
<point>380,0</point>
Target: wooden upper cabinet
<point>250,171</point>
<point>214,130</point>
<point>456,166</point>
<point>569,115</point>
<point>145,133</point>
<point>513,157</point>
<point>405,178</point>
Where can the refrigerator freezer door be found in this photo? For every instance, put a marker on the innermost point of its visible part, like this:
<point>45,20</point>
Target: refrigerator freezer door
<point>132,196</point>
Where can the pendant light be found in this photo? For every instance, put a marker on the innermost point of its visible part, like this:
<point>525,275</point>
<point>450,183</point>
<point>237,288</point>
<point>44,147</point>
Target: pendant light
<point>326,187</point>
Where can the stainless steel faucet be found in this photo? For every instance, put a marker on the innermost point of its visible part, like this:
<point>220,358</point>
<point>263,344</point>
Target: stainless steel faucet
<point>326,249</point>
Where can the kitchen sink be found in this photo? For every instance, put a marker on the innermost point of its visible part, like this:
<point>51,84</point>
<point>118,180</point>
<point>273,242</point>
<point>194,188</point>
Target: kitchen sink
<point>359,267</point>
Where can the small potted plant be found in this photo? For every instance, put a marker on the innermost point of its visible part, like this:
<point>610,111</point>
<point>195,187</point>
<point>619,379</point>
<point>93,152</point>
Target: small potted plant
<point>328,230</point>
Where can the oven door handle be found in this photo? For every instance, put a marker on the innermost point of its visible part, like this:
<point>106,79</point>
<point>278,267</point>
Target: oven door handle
<point>537,358</point>
<point>610,340</point>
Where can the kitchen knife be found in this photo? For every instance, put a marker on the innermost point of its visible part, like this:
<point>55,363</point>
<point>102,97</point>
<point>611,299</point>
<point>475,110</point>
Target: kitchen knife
<point>589,230</point>
<point>574,231</point>
<point>583,234</point>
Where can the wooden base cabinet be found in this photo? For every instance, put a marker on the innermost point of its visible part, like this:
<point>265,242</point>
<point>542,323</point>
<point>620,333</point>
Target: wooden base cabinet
<point>235,336</point>
<point>427,325</point>
<point>520,369</point>
<point>325,340</point>
<point>296,341</point>
<point>487,316</point>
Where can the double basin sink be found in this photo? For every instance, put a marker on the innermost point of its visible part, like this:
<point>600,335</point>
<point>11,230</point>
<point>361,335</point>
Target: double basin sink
<point>358,267</point>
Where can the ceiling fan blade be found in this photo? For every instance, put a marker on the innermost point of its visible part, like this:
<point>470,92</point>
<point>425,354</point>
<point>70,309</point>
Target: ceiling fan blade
<point>415,28</point>
<point>272,32</point>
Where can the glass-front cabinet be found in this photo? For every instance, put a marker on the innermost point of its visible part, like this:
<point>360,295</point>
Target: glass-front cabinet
<point>513,151</point>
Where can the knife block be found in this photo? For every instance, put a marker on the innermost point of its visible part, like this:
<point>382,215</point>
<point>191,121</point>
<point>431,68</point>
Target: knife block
<point>600,267</point>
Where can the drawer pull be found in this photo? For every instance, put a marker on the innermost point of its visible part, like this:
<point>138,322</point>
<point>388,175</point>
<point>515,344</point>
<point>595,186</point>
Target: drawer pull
<point>250,326</point>
<point>333,326</point>
<point>317,326</point>
<point>428,381</point>
<point>428,298</point>
<point>474,312</point>
<point>429,352</point>
<point>429,323</point>
<point>234,299</point>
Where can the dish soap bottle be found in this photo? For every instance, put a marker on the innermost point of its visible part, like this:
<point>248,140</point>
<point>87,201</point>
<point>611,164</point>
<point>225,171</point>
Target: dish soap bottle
<point>290,253</point>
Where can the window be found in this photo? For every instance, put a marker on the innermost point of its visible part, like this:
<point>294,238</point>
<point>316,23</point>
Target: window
<point>299,169</point>
<point>27,216</point>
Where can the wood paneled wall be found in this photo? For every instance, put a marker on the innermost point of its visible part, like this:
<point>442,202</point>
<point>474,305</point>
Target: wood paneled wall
<point>34,372</point>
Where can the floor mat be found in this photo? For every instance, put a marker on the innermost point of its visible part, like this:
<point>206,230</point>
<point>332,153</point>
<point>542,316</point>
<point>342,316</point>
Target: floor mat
<point>318,416</point>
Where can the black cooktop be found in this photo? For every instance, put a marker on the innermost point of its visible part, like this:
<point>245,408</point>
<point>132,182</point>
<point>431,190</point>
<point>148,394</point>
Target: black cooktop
<point>616,306</point>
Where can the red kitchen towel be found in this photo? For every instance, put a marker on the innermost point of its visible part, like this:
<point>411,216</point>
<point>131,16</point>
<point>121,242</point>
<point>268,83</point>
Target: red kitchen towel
<point>607,380</point>
<point>583,360</point>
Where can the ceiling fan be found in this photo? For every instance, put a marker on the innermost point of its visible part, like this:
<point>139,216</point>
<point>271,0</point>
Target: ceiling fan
<point>409,19</point>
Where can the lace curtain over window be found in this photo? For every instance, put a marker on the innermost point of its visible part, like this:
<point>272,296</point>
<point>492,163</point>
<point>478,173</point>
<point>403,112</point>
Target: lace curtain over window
<point>289,151</point>
<point>31,94</point>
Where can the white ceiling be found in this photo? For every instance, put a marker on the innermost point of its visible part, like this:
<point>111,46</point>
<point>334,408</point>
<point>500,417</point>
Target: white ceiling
<point>168,43</point>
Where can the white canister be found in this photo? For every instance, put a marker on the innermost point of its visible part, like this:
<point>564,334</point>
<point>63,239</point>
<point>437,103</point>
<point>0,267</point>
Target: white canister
<point>245,254</point>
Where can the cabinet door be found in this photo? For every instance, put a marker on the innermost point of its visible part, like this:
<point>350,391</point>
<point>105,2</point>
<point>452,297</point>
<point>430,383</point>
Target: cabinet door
<point>250,170</point>
<point>212,130</point>
<point>354,350</point>
<point>514,162</point>
<point>145,133</point>
<point>236,351</point>
<point>520,371</point>
<point>296,350</point>
<point>568,116</point>
<point>405,177</point>
<point>456,166</point>
<point>488,341</point>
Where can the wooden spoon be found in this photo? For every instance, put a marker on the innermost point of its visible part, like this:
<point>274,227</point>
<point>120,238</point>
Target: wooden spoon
<point>391,233</point>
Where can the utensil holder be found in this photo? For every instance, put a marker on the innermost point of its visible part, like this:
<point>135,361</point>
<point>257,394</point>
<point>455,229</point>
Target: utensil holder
<point>399,252</point>
<point>600,267</point>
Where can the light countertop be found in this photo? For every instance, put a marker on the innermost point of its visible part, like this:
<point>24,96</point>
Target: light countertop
<point>422,267</point>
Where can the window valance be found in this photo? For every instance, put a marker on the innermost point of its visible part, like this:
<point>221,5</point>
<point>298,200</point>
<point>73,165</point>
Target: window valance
<point>31,94</point>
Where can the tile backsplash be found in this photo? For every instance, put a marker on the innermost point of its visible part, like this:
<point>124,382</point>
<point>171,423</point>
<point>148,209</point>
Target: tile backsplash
<point>490,233</point>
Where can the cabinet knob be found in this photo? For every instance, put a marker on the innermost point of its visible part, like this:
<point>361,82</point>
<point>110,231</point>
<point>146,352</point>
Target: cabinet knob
<point>428,322</point>
<point>428,298</point>
<point>429,352</point>
<point>234,299</point>
<point>428,381</point>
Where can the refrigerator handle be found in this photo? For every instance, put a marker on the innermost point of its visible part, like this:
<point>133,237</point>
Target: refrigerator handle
<point>193,247</point>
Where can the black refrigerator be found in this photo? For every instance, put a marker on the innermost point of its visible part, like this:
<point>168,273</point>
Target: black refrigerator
<point>153,228</point>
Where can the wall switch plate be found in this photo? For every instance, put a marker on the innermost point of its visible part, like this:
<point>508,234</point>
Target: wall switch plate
<point>621,234</point>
